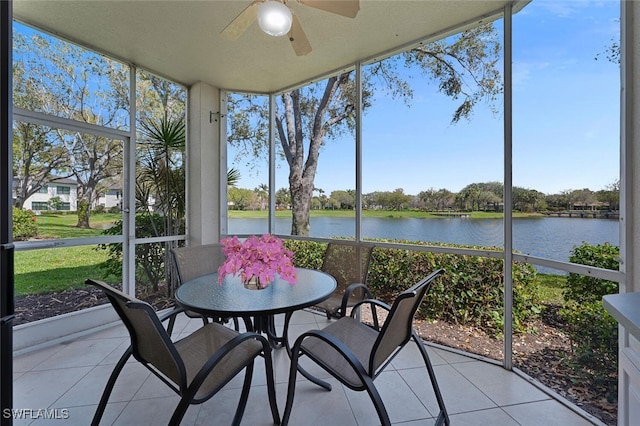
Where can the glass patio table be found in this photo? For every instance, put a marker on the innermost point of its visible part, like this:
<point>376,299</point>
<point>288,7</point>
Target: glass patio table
<point>256,307</point>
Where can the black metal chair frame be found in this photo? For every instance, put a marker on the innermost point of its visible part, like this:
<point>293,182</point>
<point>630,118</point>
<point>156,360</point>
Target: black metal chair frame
<point>377,356</point>
<point>359,286</point>
<point>185,387</point>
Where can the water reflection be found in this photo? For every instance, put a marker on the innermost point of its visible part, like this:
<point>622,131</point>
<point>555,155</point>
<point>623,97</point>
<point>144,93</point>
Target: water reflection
<point>548,237</point>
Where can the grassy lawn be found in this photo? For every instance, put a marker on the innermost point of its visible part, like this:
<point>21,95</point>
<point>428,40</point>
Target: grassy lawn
<point>52,270</point>
<point>64,225</point>
<point>550,288</point>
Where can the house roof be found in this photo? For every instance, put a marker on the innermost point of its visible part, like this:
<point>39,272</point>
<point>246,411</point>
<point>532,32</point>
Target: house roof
<point>181,39</point>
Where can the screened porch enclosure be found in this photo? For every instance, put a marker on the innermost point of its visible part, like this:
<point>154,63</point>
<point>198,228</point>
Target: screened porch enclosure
<point>189,58</point>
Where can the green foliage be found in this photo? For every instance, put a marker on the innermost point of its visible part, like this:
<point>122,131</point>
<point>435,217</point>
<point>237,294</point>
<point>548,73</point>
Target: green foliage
<point>593,332</point>
<point>307,254</point>
<point>471,292</point>
<point>25,225</point>
<point>551,287</point>
<point>149,257</point>
<point>594,335</point>
<point>55,203</point>
<point>582,289</point>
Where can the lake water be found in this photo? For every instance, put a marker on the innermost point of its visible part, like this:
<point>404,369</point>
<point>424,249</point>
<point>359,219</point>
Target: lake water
<point>549,237</point>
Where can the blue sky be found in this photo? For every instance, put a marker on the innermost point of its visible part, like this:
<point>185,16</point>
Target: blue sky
<point>566,118</point>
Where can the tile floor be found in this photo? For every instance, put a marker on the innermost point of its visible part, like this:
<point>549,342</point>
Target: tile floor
<point>66,380</point>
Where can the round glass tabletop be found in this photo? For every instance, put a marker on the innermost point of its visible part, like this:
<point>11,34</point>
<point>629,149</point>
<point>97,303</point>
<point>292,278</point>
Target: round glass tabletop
<point>231,298</point>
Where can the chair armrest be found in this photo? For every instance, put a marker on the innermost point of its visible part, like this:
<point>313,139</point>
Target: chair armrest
<point>373,304</point>
<point>223,351</point>
<point>348,292</point>
<point>171,316</point>
<point>173,312</point>
<point>336,344</point>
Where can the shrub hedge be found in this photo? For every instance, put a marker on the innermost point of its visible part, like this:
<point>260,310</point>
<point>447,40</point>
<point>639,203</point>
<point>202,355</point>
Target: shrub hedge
<point>593,332</point>
<point>471,291</point>
<point>25,225</point>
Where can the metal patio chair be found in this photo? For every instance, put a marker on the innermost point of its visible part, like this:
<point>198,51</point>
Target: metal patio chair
<point>195,367</point>
<point>193,262</point>
<point>349,265</point>
<point>356,353</point>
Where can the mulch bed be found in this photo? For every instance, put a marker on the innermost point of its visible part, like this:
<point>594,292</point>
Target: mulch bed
<point>540,354</point>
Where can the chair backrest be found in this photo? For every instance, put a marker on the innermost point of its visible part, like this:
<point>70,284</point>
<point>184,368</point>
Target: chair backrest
<point>196,261</point>
<point>397,328</point>
<point>150,342</point>
<point>347,263</point>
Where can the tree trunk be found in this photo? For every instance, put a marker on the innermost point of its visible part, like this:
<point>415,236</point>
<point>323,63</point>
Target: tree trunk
<point>83,214</point>
<point>301,194</point>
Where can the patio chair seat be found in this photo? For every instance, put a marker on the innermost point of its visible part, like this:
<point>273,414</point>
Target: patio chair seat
<point>197,348</point>
<point>353,334</point>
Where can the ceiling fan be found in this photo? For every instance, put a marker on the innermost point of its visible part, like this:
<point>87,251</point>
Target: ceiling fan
<point>285,22</point>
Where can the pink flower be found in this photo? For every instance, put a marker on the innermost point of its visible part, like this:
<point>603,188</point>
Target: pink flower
<point>261,257</point>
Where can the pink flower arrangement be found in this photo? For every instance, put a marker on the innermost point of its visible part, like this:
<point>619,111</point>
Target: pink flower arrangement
<point>260,257</point>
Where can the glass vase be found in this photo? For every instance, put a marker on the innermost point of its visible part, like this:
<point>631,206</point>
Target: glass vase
<point>253,283</point>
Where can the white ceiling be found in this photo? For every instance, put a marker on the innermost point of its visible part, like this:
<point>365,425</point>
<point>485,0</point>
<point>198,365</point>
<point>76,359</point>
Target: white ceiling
<point>181,39</point>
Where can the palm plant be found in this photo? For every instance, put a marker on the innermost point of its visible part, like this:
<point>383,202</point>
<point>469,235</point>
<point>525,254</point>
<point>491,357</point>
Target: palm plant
<point>160,179</point>
<point>233,177</point>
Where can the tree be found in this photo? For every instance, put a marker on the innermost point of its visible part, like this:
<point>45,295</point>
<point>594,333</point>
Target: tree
<point>322,199</point>
<point>470,197</point>
<point>398,199</point>
<point>464,67</point>
<point>283,198</point>
<point>93,160</point>
<point>584,198</point>
<point>610,195</point>
<point>345,199</point>
<point>262,193</point>
<point>55,203</point>
<point>527,200</point>
<point>37,153</point>
<point>65,80</point>
<point>241,198</point>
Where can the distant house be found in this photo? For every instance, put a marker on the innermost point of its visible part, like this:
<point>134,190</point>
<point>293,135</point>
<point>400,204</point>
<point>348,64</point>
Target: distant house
<point>111,197</point>
<point>58,195</point>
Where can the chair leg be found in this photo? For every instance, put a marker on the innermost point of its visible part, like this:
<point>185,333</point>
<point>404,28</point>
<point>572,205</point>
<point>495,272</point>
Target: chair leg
<point>271,387</point>
<point>170,325</point>
<point>291,389</point>
<point>180,410</point>
<point>377,401</point>
<point>244,395</point>
<point>443,417</point>
<point>110,383</point>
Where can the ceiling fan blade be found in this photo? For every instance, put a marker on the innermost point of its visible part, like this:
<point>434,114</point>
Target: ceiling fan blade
<point>239,25</point>
<point>298,38</point>
<point>348,8</point>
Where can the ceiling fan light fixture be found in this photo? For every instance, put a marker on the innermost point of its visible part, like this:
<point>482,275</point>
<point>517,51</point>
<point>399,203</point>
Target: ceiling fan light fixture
<point>274,18</point>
